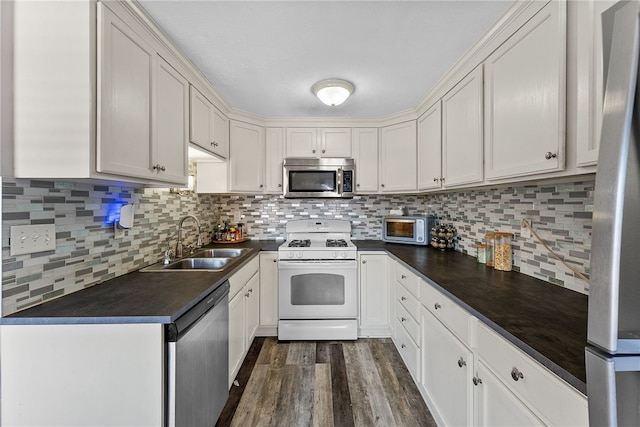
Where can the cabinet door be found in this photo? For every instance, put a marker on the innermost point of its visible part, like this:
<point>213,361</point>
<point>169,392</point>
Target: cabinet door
<point>590,79</point>
<point>273,155</point>
<point>398,157</point>
<point>301,142</point>
<point>252,295</point>
<point>246,162</point>
<point>169,155</point>
<point>335,142</point>
<point>462,154</point>
<point>365,154</point>
<point>237,334</point>
<point>374,295</point>
<point>525,98</point>
<point>495,405</point>
<point>430,148</point>
<point>201,114</point>
<point>219,133</point>
<point>269,289</point>
<point>126,64</point>
<point>447,365</point>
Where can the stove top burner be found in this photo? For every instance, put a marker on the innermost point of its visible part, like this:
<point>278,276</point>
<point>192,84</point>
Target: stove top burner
<point>336,243</point>
<point>300,243</point>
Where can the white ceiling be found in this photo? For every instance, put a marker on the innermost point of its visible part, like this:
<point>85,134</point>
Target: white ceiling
<point>262,57</point>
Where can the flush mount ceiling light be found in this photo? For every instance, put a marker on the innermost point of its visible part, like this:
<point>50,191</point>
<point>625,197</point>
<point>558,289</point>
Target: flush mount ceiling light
<point>333,91</point>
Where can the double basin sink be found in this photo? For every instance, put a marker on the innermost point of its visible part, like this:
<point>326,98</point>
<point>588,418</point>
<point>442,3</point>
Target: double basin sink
<point>202,260</point>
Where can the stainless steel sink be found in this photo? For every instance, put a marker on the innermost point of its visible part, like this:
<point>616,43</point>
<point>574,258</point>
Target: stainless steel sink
<point>199,264</point>
<point>220,253</point>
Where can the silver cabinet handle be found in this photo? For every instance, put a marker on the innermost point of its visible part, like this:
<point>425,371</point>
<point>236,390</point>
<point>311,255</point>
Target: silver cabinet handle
<point>403,276</point>
<point>403,298</point>
<point>279,185</point>
<point>435,180</point>
<point>382,185</point>
<point>516,374</point>
<point>364,261</point>
<point>162,168</point>
<point>549,155</point>
<point>357,185</point>
<point>215,144</point>
<point>461,362</point>
<point>403,319</point>
<point>261,185</point>
<point>476,381</point>
<point>159,168</point>
<point>251,290</point>
<point>437,306</point>
<point>247,295</point>
<point>313,151</point>
<point>323,151</point>
<point>275,260</point>
<point>403,346</point>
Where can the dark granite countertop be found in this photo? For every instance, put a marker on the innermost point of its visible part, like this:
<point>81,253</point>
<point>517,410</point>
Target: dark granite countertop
<point>137,297</point>
<point>546,321</point>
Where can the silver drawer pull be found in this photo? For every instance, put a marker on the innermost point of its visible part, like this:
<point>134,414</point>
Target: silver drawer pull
<point>461,362</point>
<point>403,319</point>
<point>437,306</point>
<point>549,155</point>
<point>516,374</point>
<point>476,381</point>
<point>403,276</point>
<point>403,346</point>
<point>403,298</point>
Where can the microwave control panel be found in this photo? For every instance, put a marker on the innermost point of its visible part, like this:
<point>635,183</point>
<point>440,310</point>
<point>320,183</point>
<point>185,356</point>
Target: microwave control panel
<point>347,181</point>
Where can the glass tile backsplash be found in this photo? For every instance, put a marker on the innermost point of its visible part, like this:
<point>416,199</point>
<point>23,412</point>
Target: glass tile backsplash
<point>87,252</point>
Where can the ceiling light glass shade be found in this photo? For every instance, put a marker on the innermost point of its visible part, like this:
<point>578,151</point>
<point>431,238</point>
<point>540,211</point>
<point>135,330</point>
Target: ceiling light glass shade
<point>332,92</point>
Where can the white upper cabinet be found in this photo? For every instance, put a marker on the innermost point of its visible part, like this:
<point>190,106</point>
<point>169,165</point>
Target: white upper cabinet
<point>246,160</point>
<point>398,157</point>
<point>525,98</point>
<point>462,153</point>
<point>315,143</point>
<point>126,72</point>
<point>273,155</point>
<point>208,126</point>
<point>590,79</point>
<point>430,148</point>
<point>365,155</point>
<point>171,119</point>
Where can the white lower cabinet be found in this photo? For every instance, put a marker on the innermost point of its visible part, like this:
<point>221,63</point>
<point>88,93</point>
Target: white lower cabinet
<point>495,405</point>
<point>268,293</point>
<point>447,369</point>
<point>244,312</point>
<point>407,319</point>
<point>373,320</point>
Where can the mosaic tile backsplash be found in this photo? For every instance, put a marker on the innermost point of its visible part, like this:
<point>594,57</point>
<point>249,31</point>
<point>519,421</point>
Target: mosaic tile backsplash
<point>87,252</point>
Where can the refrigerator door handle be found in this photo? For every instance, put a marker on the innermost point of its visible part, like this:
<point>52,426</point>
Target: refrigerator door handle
<point>607,377</point>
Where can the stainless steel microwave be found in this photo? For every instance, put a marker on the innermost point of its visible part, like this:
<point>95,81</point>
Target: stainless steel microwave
<point>325,177</point>
<point>413,230</point>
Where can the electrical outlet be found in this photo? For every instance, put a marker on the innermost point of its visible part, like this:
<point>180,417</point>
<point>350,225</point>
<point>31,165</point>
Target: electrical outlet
<point>28,239</point>
<point>119,233</point>
<point>525,232</point>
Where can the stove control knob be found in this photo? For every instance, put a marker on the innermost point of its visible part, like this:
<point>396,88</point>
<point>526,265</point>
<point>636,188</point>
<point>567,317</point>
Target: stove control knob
<point>334,254</point>
<point>299,254</point>
<point>290,254</point>
<point>343,254</point>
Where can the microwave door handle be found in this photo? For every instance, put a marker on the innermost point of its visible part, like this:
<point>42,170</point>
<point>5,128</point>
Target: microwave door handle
<point>339,189</point>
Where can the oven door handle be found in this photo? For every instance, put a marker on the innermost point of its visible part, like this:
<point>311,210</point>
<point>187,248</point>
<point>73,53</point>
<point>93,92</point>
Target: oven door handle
<point>307,264</point>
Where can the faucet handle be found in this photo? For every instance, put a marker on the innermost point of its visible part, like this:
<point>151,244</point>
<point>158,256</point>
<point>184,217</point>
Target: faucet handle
<point>167,256</point>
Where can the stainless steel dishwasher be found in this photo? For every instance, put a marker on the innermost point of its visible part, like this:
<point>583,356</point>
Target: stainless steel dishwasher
<point>198,362</point>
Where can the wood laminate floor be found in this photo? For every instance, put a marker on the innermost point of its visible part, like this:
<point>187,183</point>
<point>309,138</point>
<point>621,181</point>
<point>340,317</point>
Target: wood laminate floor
<point>324,383</point>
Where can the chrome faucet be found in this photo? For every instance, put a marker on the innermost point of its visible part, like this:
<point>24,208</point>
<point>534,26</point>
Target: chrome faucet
<point>179,242</point>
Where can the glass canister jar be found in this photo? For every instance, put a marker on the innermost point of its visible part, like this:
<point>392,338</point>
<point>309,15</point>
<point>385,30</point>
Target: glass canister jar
<point>482,253</point>
<point>503,252</point>
<point>488,240</point>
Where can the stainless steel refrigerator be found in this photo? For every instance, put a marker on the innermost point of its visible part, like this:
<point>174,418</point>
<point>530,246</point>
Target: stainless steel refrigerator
<point>613,351</point>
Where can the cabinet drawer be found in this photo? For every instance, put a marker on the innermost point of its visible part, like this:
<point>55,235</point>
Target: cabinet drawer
<point>408,349</point>
<point>549,397</point>
<point>409,323</point>
<point>448,312</point>
<point>407,299</point>
<point>240,278</point>
<point>408,280</point>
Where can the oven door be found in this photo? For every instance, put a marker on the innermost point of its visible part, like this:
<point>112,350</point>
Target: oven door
<point>318,289</point>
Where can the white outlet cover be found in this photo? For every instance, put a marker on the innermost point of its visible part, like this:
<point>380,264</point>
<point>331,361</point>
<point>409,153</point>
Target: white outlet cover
<point>28,239</point>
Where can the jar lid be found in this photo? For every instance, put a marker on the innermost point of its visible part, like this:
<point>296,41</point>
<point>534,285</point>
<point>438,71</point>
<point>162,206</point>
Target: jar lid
<point>490,235</point>
<point>481,245</point>
<point>503,234</point>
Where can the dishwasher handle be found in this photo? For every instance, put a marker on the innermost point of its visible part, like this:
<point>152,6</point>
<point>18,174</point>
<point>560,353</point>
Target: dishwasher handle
<point>184,322</point>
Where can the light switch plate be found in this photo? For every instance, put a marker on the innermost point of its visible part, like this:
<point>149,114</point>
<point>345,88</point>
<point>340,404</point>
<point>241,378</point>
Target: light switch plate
<point>28,239</point>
